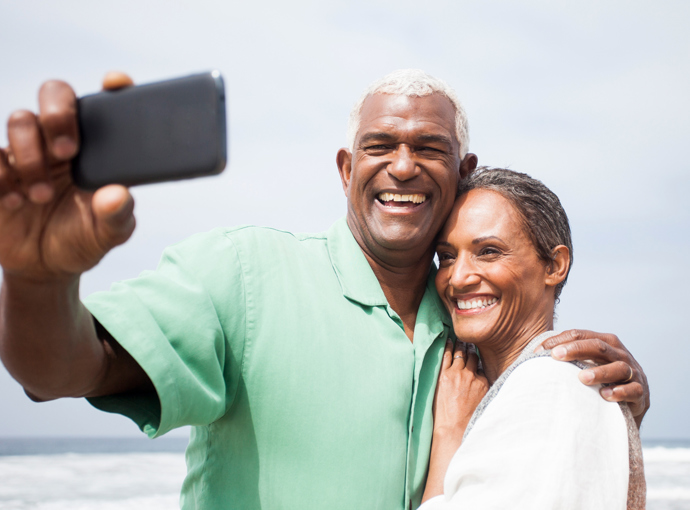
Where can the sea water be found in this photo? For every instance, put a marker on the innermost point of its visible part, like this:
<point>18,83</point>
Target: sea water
<point>667,470</point>
<point>132,474</point>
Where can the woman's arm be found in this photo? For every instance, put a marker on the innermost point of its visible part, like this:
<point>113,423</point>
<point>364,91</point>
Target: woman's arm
<point>458,392</point>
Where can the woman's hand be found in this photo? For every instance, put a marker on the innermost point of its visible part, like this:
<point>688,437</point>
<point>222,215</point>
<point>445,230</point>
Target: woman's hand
<point>623,375</point>
<point>461,386</point>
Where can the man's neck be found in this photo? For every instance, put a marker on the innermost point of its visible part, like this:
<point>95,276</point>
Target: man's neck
<point>403,287</point>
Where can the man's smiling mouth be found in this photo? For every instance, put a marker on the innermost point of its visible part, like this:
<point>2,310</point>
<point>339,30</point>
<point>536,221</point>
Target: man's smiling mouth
<point>400,200</point>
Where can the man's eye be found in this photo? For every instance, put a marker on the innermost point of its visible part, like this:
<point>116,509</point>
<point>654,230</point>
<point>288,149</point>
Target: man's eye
<point>379,147</point>
<point>429,152</point>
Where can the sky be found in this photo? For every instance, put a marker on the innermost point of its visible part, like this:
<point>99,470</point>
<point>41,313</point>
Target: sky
<point>590,97</point>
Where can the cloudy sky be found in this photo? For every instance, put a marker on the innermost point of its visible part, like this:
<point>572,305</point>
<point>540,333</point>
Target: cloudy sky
<point>590,96</point>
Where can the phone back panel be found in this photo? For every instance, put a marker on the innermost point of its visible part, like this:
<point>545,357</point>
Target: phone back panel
<point>161,131</point>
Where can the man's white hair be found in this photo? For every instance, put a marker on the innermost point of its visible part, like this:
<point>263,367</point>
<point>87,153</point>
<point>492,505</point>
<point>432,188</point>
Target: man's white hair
<point>411,83</point>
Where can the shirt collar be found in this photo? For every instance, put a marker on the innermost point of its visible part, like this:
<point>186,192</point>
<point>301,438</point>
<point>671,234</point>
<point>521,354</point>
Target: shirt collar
<point>357,279</point>
<point>435,299</point>
<point>354,273</point>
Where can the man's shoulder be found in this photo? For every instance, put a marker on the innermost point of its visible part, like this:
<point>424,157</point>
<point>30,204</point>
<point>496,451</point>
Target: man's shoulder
<point>247,236</point>
<point>253,232</point>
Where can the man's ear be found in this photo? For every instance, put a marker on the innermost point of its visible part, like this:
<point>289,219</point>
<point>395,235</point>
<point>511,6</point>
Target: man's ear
<point>344,162</point>
<point>557,269</point>
<point>468,165</point>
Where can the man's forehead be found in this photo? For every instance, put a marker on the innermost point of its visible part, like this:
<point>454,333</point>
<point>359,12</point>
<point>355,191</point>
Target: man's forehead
<point>434,109</point>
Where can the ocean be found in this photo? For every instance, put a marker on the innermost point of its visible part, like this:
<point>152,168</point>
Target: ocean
<point>138,474</point>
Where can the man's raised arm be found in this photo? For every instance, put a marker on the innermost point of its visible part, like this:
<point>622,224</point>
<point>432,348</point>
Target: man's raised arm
<point>50,233</point>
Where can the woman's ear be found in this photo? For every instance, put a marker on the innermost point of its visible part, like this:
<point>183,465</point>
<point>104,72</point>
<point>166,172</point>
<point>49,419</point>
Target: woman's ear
<point>557,269</point>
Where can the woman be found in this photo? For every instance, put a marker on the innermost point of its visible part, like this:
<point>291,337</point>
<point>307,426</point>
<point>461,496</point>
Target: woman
<point>537,438</point>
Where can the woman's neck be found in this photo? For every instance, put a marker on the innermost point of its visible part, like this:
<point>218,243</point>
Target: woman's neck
<point>499,354</point>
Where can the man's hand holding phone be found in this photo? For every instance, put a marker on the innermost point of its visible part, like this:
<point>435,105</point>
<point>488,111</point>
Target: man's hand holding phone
<point>169,130</point>
<point>51,230</point>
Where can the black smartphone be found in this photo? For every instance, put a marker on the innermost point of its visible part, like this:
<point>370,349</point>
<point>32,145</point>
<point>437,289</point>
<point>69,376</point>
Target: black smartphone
<point>163,131</point>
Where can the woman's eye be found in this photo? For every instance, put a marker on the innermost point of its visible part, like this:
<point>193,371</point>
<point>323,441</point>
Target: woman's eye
<point>489,251</point>
<point>444,257</point>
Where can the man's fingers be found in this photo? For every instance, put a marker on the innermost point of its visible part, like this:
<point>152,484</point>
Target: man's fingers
<point>632,393</point>
<point>57,106</point>
<point>114,80</point>
<point>611,373</point>
<point>575,335</point>
<point>28,157</point>
<point>578,344</point>
<point>593,349</point>
<point>11,198</point>
<point>113,210</point>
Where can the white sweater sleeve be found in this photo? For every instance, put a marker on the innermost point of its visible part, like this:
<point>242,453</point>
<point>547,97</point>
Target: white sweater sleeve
<point>546,441</point>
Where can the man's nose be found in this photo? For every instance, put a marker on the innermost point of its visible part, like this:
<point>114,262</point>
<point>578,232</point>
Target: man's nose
<point>403,167</point>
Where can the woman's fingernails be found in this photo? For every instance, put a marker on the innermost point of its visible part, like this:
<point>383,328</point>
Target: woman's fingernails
<point>607,393</point>
<point>559,352</point>
<point>586,376</point>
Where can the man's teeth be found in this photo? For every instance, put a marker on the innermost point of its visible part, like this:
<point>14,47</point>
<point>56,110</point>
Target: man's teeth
<point>415,198</point>
<point>475,303</point>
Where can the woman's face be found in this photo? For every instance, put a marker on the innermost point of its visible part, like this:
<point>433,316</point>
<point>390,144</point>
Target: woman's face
<point>490,277</point>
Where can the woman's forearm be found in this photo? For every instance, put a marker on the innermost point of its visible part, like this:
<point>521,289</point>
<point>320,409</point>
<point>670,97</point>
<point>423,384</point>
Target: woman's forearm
<point>443,447</point>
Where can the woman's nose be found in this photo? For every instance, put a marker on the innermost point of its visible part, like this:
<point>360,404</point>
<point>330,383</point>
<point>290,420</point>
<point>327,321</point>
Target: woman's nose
<point>464,274</point>
<point>403,167</point>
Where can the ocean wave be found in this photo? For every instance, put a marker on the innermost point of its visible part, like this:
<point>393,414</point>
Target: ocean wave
<point>669,494</point>
<point>169,502</point>
<point>133,481</point>
<point>664,454</point>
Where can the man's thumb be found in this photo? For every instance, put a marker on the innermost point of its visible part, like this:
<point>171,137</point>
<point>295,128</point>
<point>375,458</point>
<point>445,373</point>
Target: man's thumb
<point>113,211</point>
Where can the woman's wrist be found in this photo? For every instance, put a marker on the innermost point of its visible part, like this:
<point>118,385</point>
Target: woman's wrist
<point>448,433</point>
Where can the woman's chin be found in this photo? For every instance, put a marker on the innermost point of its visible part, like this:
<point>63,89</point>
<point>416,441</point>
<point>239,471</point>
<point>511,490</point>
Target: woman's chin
<point>471,335</point>
<point>473,326</point>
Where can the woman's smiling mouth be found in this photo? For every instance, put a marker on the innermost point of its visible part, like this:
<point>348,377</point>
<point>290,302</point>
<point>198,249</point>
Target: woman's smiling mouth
<point>474,305</point>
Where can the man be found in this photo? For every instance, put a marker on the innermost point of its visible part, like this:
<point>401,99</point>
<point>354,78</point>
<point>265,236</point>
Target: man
<point>306,363</point>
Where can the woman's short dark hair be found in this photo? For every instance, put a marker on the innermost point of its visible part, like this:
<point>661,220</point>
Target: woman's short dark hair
<point>543,216</point>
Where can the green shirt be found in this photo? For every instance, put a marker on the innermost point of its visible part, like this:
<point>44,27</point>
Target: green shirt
<point>282,352</point>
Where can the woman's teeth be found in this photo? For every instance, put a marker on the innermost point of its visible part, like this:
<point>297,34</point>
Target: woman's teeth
<point>475,303</point>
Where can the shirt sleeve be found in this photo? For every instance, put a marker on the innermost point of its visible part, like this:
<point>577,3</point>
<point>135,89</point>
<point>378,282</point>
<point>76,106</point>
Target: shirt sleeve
<point>546,441</point>
<point>184,324</point>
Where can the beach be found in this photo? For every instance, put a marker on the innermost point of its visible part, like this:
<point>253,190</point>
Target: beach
<point>100,475</point>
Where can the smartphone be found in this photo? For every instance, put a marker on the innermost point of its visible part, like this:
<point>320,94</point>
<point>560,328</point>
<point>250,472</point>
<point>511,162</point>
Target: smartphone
<point>163,131</point>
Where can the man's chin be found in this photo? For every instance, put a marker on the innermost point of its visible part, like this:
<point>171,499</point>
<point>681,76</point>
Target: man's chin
<point>391,235</point>
<point>404,240</point>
